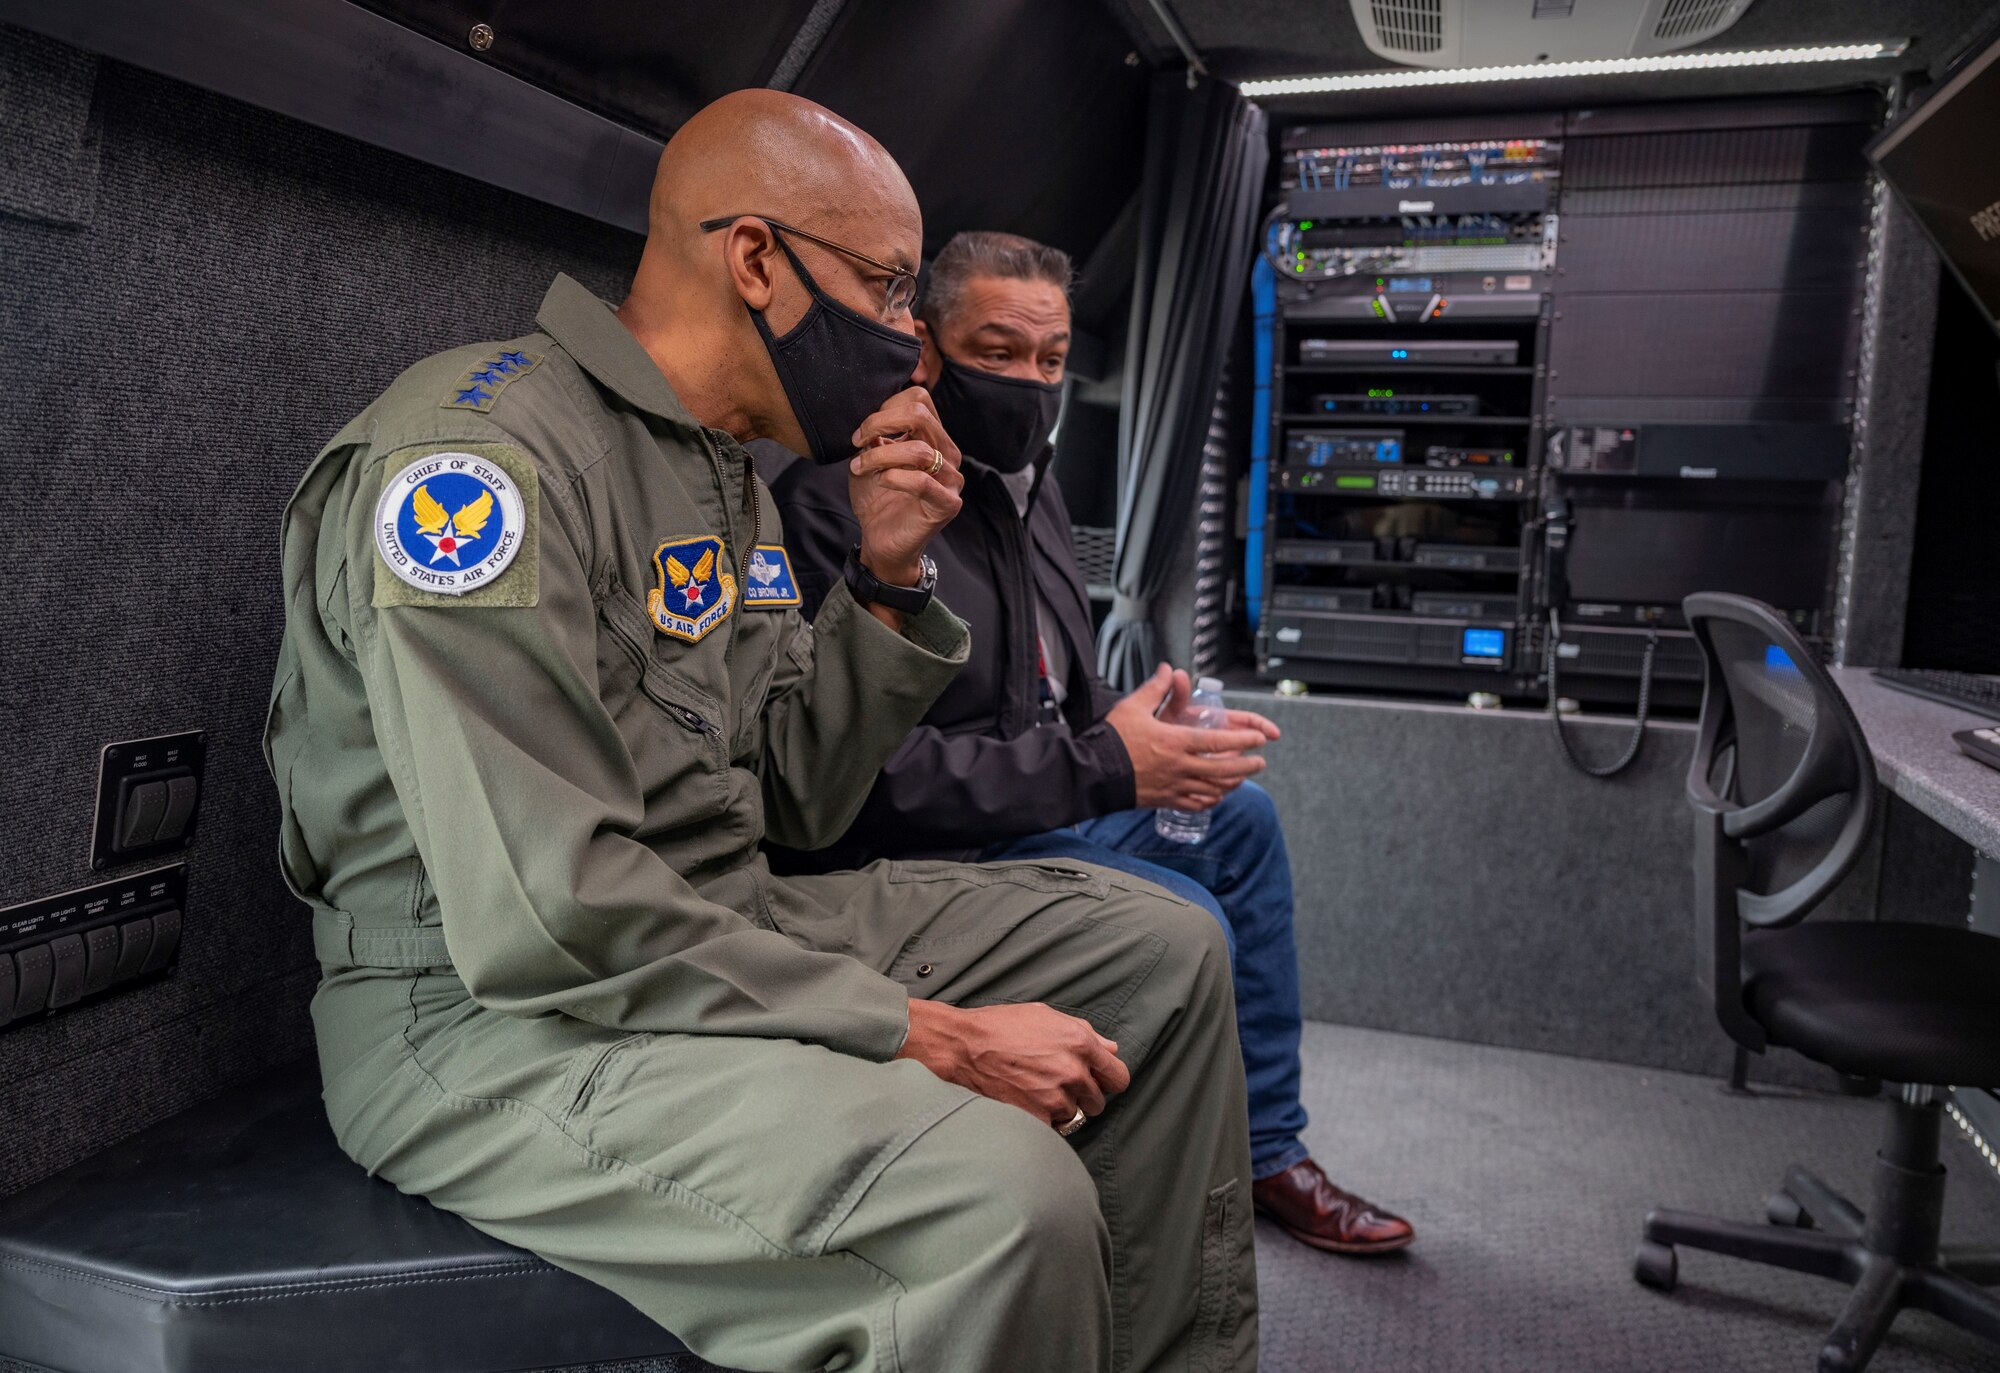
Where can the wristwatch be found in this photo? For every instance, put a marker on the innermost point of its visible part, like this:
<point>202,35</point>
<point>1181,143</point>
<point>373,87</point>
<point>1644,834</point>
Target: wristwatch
<point>869,589</point>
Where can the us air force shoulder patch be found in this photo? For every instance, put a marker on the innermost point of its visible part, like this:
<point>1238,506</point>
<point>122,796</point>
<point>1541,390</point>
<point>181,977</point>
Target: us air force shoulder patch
<point>770,585</point>
<point>450,523</point>
<point>697,590</point>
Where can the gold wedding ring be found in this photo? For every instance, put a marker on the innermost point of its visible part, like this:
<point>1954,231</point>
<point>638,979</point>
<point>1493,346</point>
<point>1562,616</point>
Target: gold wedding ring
<point>1075,1124</point>
<point>937,461</point>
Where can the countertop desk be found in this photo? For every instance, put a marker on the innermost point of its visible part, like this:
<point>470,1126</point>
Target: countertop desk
<point>1917,760</point>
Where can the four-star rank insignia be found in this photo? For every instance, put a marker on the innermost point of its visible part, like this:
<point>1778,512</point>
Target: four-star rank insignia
<point>697,590</point>
<point>450,523</point>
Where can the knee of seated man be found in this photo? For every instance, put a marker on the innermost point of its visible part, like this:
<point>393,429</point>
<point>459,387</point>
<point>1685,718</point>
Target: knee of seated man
<point>1250,805</point>
<point>1018,1186</point>
<point>1197,940</point>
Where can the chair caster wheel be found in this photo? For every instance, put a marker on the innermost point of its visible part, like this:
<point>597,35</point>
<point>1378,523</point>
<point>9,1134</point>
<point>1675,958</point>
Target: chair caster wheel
<point>1782,1208</point>
<point>1656,1266</point>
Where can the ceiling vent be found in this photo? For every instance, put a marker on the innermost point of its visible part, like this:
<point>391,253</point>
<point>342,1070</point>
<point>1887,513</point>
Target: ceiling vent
<point>1687,21</point>
<point>1408,26</point>
<point>1497,33</point>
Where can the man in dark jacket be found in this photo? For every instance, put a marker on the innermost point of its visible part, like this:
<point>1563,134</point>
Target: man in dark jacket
<point>1029,753</point>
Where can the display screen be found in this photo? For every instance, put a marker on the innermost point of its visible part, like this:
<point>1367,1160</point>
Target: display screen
<point>1484,643</point>
<point>1775,552</point>
<point>1939,158</point>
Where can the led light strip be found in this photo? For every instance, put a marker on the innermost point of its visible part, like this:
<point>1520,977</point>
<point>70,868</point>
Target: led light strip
<point>1543,71</point>
<point>1978,1140</point>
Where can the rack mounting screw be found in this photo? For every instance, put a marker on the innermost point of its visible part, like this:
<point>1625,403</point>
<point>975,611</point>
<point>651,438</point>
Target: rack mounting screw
<point>481,37</point>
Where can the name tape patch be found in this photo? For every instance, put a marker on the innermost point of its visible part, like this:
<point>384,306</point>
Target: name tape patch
<point>770,585</point>
<point>450,523</point>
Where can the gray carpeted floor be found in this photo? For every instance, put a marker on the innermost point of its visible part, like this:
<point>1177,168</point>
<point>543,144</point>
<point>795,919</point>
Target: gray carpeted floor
<point>1527,1176</point>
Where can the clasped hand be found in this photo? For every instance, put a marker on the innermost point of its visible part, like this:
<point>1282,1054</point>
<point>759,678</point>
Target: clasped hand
<point>1178,766</point>
<point>898,500</point>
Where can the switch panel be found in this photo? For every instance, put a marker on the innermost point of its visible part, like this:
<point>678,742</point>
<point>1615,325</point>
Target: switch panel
<point>61,950</point>
<point>148,792</point>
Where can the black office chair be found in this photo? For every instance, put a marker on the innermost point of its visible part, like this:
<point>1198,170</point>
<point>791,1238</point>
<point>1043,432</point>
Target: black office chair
<point>1784,792</point>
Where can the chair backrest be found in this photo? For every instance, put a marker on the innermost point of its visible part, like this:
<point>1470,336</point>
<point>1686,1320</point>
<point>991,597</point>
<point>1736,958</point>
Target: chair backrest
<point>1782,783</point>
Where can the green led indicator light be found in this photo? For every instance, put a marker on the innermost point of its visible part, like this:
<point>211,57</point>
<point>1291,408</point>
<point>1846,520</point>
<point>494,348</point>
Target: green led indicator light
<point>1355,483</point>
<point>1307,225</point>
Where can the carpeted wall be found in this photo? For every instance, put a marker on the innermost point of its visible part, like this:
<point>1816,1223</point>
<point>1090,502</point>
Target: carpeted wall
<point>194,296</point>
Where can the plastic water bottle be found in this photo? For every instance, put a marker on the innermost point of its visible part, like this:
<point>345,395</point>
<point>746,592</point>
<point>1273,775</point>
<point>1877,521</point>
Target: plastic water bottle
<point>1204,710</point>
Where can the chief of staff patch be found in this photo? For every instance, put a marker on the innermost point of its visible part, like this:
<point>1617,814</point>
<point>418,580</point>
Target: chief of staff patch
<point>696,591</point>
<point>449,523</point>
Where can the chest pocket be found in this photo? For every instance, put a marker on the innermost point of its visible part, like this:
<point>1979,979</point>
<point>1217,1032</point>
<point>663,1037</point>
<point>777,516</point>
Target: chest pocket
<point>753,659</point>
<point>675,729</point>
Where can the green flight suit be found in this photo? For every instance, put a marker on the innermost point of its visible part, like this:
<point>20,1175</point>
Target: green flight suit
<point>564,996</point>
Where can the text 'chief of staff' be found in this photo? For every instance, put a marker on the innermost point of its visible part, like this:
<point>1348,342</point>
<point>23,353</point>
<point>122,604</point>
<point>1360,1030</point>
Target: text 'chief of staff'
<point>533,715</point>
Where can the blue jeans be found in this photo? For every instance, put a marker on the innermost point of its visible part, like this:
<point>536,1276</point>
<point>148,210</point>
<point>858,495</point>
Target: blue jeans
<point>1242,875</point>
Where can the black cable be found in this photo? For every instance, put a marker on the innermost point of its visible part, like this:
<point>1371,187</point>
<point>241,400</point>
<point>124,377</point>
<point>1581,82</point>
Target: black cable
<point>1631,754</point>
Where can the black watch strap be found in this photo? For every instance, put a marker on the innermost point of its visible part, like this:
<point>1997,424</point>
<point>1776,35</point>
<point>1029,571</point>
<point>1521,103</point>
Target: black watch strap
<point>868,589</point>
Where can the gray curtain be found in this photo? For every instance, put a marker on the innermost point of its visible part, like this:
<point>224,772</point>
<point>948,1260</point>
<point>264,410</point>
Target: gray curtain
<point>1206,153</point>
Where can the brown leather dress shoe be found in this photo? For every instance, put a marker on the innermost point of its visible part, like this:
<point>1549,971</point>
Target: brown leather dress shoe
<point>1313,1211</point>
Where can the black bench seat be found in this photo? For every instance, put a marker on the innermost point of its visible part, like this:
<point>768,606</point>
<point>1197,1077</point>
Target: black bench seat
<point>237,1238</point>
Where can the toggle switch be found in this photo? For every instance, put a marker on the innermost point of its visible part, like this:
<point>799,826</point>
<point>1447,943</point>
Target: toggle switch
<point>31,991</point>
<point>182,792</point>
<point>166,941</point>
<point>66,980</point>
<point>140,811</point>
<point>135,943</point>
<point>100,958</point>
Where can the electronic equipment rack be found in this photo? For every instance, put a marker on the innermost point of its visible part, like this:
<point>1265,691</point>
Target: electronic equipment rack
<point>1405,438</point>
<point>1525,381</point>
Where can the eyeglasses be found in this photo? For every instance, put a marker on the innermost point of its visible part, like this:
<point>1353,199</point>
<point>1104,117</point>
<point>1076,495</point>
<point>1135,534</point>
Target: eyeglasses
<point>899,294</point>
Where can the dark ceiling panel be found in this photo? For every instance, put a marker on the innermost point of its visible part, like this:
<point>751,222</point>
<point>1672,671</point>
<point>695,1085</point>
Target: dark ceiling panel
<point>1006,114</point>
<point>1245,39</point>
<point>647,63</point>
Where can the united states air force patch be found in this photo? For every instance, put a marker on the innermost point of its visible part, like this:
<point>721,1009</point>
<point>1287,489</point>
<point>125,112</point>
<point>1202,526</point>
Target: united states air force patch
<point>770,585</point>
<point>451,523</point>
<point>697,590</point>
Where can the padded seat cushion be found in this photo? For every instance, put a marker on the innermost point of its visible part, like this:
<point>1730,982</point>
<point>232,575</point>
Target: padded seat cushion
<point>1909,1003</point>
<point>237,1238</point>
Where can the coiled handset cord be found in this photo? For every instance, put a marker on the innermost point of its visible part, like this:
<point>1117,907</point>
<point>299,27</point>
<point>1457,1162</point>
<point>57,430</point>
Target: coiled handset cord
<point>1631,754</point>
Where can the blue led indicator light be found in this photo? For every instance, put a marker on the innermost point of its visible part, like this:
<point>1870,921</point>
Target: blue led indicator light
<point>1777,660</point>
<point>1399,352</point>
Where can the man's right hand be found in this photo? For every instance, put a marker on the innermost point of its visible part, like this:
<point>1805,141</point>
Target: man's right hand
<point>1179,767</point>
<point>1028,1055</point>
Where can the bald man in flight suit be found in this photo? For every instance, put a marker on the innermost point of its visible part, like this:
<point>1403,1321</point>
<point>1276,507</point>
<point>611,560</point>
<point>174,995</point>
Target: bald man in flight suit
<point>544,689</point>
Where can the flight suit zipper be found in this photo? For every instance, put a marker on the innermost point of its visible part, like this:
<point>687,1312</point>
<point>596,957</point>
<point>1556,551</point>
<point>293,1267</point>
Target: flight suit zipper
<point>729,524</point>
<point>687,717</point>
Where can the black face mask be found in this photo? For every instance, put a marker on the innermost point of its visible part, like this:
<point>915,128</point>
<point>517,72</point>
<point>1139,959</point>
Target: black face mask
<point>1002,421</point>
<point>837,367</point>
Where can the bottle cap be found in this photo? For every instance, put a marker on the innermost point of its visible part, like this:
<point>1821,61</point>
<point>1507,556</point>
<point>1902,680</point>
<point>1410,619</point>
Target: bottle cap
<point>1213,684</point>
